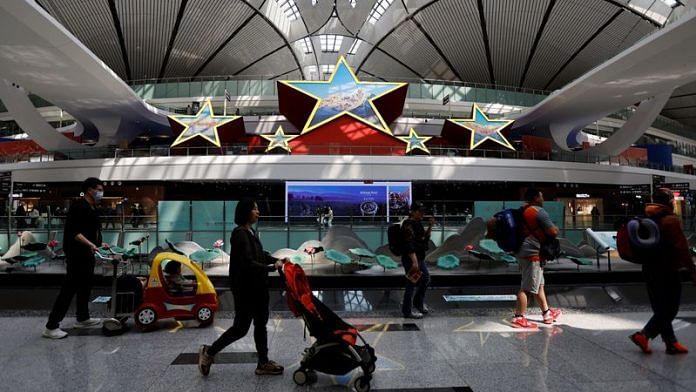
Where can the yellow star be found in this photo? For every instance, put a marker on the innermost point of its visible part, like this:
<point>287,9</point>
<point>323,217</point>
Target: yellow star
<point>414,141</point>
<point>204,124</point>
<point>279,139</point>
<point>482,128</point>
<point>343,94</point>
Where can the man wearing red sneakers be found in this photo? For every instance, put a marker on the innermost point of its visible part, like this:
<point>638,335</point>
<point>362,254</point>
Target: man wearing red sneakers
<point>538,227</point>
<point>662,276</point>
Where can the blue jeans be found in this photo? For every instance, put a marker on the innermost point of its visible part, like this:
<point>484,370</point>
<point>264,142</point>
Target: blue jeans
<point>415,292</point>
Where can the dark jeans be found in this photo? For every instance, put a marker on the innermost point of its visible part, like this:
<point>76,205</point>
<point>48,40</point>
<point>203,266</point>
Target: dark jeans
<point>414,292</point>
<point>664,291</point>
<point>248,306</point>
<point>78,281</point>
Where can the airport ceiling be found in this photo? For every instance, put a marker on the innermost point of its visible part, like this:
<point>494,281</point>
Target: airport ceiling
<point>533,44</point>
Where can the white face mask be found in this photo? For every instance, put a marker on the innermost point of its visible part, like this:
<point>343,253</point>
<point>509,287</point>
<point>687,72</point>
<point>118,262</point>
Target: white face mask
<point>98,196</point>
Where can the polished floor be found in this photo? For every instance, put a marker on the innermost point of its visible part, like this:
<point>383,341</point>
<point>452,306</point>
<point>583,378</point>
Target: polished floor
<point>465,346</point>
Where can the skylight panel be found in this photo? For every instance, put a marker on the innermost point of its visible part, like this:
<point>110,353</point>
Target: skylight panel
<point>289,8</point>
<point>306,45</point>
<point>327,68</point>
<point>354,47</point>
<point>330,42</point>
<point>378,10</point>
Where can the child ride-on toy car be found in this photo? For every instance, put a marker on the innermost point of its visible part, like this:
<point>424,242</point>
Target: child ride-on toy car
<point>196,300</point>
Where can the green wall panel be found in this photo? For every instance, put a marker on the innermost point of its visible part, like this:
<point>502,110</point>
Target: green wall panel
<point>173,215</point>
<point>207,215</point>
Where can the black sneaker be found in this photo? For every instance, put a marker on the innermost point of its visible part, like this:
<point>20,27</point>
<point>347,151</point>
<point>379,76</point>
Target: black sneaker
<point>269,368</point>
<point>414,315</point>
<point>425,309</point>
<point>204,360</point>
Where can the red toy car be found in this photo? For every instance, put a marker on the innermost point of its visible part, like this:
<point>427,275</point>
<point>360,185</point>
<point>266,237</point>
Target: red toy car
<point>168,295</point>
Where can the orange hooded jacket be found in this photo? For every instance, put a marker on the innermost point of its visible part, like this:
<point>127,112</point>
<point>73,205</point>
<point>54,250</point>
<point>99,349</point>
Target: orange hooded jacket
<point>677,256</point>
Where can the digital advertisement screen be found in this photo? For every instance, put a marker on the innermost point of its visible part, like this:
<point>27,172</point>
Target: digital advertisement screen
<point>378,199</point>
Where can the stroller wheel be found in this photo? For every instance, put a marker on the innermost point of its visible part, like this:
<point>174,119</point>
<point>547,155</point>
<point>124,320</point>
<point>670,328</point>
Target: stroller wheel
<point>371,368</point>
<point>362,384</point>
<point>312,376</point>
<point>300,377</point>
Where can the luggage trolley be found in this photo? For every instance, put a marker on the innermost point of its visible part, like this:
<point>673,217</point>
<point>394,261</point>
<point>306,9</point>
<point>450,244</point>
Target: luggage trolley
<point>124,294</point>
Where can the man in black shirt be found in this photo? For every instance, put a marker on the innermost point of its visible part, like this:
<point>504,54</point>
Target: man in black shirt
<point>20,216</point>
<point>416,239</point>
<point>82,237</point>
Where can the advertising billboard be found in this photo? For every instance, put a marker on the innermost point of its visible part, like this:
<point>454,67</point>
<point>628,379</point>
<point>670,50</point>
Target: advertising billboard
<point>373,199</point>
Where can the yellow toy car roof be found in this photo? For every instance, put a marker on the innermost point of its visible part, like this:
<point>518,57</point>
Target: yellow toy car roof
<point>205,286</point>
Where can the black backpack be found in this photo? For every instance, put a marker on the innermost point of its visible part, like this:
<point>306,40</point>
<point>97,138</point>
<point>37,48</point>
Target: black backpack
<point>395,238</point>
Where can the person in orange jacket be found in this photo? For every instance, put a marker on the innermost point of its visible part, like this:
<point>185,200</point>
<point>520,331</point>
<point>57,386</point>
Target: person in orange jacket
<point>662,275</point>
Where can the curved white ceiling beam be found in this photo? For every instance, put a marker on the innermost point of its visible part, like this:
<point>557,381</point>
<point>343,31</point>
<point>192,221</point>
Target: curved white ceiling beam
<point>641,119</point>
<point>651,68</point>
<point>28,118</point>
<point>39,54</point>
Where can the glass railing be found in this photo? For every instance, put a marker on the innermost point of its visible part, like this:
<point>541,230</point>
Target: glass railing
<point>333,149</point>
<point>434,90</point>
<point>143,234</point>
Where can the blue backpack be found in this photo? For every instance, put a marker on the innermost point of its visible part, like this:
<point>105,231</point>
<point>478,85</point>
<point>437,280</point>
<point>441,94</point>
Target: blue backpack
<point>507,228</point>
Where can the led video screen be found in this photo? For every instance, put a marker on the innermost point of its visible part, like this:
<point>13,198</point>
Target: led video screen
<point>377,199</point>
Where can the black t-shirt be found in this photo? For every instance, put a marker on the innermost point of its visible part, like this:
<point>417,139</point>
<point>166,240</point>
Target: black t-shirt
<point>416,239</point>
<point>82,219</point>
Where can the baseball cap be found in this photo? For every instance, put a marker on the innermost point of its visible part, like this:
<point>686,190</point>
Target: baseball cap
<point>417,206</point>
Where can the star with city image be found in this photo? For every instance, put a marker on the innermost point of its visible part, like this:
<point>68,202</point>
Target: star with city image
<point>204,124</point>
<point>482,128</point>
<point>343,94</point>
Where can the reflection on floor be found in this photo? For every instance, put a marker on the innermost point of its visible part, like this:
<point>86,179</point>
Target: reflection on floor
<point>460,346</point>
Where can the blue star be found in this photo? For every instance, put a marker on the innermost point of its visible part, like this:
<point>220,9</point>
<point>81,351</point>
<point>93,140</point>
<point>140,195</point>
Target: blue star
<point>482,128</point>
<point>343,94</point>
<point>204,124</point>
<point>414,141</point>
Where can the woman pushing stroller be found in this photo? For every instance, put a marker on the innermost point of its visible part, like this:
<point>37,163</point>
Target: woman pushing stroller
<point>248,274</point>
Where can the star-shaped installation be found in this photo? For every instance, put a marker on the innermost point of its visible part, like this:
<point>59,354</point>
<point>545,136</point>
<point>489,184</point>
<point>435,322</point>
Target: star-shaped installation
<point>343,94</point>
<point>482,128</point>
<point>204,124</point>
<point>279,139</point>
<point>414,141</point>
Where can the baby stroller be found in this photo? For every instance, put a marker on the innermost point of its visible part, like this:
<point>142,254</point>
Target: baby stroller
<point>335,350</point>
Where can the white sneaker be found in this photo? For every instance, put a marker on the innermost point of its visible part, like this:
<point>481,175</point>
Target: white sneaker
<point>54,333</point>
<point>87,323</point>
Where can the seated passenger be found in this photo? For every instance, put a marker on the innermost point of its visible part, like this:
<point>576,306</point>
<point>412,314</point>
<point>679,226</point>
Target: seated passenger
<point>177,285</point>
